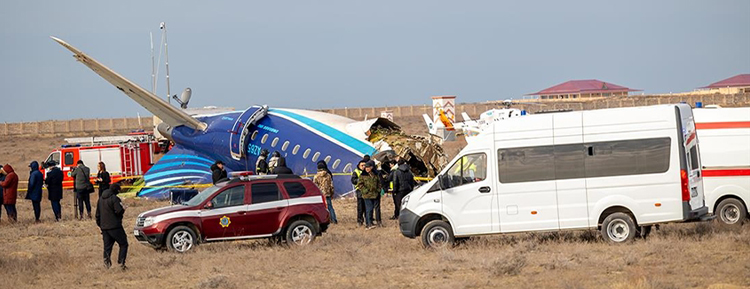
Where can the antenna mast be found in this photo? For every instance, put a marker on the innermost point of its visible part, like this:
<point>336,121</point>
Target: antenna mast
<point>163,26</point>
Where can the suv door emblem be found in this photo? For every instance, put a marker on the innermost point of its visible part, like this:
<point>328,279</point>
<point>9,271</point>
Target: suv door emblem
<point>225,221</point>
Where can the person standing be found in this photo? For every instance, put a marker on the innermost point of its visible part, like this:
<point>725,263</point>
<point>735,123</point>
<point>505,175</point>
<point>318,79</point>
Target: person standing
<point>218,172</point>
<point>360,202</point>
<point>261,165</point>
<point>109,213</point>
<point>34,189</point>
<point>369,184</point>
<point>83,188</point>
<point>54,181</point>
<point>102,178</point>
<point>273,161</point>
<point>10,191</point>
<point>281,168</point>
<point>403,184</point>
<point>324,180</point>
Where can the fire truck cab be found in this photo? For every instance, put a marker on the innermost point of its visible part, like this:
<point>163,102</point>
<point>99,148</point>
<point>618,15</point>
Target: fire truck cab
<point>125,156</point>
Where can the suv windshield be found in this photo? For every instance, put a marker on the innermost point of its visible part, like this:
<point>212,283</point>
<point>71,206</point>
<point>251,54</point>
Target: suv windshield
<point>202,196</point>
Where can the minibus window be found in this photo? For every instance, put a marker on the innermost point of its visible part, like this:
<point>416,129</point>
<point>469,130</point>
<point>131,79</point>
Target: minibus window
<point>468,169</point>
<point>694,162</point>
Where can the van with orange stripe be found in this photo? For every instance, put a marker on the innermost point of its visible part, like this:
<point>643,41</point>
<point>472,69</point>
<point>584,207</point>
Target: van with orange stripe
<point>618,171</point>
<point>724,135</point>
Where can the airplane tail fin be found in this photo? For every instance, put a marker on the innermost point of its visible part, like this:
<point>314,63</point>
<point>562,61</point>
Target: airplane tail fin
<point>160,108</point>
<point>430,125</point>
<point>465,116</point>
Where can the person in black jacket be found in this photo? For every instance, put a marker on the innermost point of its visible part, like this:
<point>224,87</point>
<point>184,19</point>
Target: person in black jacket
<point>109,213</point>
<point>54,182</point>
<point>281,168</point>
<point>261,165</point>
<point>102,178</point>
<point>218,172</point>
<point>403,184</point>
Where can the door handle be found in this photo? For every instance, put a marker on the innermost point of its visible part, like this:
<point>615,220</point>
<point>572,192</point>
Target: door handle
<point>485,190</point>
<point>241,212</point>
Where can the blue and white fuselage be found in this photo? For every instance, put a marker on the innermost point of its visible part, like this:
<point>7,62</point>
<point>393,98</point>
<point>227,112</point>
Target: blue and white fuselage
<point>303,137</point>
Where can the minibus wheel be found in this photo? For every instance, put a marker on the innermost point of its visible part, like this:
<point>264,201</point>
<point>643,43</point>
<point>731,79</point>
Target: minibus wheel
<point>731,211</point>
<point>619,228</point>
<point>437,234</point>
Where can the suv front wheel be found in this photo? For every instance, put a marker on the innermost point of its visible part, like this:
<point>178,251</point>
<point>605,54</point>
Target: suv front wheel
<point>300,232</point>
<point>181,239</point>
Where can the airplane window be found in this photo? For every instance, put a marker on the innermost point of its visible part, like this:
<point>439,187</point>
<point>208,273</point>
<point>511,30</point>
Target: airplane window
<point>264,139</point>
<point>336,164</point>
<point>295,150</point>
<point>274,142</point>
<point>306,154</point>
<point>285,146</point>
<point>327,159</point>
<point>254,135</point>
<point>348,168</point>
<point>316,156</point>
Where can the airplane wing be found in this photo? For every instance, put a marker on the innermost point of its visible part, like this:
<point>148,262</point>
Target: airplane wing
<point>160,108</point>
<point>465,116</point>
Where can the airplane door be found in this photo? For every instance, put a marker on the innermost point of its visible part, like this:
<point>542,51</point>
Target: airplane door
<point>468,202</point>
<point>240,129</point>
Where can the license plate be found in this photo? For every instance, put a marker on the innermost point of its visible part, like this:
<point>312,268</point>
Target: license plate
<point>137,233</point>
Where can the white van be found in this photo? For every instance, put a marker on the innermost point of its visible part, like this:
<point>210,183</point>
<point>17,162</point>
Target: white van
<point>620,170</point>
<point>724,134</point>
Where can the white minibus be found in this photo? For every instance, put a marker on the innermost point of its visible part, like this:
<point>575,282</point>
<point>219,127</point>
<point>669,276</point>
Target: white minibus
<point>618,170</point>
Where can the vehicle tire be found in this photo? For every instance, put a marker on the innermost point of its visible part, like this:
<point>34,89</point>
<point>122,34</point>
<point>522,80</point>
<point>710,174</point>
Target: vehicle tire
<point>300,232</point>
<point>619,228</point>
<point>731,212</point>
<point>181,239</point>
<point>437,234</point>
<point>644,231</point>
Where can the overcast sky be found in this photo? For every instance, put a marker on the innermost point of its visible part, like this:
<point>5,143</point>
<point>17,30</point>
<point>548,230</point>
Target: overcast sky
<point>322,54</point>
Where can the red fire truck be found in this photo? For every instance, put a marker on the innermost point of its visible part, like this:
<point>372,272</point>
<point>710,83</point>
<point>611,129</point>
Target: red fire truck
<point>125,156</point>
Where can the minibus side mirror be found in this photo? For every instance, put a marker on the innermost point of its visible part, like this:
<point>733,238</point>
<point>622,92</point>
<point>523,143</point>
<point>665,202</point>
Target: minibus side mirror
<point>444,181</point>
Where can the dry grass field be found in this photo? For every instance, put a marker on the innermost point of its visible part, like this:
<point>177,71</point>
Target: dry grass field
<point>68,254</point>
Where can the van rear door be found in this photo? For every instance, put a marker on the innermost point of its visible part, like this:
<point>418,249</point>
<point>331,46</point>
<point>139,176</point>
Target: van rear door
<point>690,162</point>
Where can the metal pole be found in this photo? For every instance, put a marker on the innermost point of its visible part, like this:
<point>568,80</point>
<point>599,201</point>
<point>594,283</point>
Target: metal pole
<point>153,68</point>
<point>166,56</point>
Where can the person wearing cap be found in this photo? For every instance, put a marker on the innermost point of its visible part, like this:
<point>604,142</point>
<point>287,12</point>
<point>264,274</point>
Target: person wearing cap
<point>10,191</point>
<point>273,161</point>
<point>109,213</point>
<point>261,165</point>
<point>54,182</point>
<point>281,168</point>
<point>34,189</point>
<point>218,172</point>
<point>369,184</point>
<point>324,180</point>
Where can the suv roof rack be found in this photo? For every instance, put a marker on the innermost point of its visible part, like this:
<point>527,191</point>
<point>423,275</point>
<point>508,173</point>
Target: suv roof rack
<point>262,177</point>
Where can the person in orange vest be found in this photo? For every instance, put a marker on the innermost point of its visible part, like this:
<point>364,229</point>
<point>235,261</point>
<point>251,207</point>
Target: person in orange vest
<point>360,202</point>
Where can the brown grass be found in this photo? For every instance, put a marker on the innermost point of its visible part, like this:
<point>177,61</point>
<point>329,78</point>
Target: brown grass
<point>68,254</point>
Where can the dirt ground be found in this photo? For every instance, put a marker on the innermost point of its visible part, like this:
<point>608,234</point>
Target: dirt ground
<point>68,254</point>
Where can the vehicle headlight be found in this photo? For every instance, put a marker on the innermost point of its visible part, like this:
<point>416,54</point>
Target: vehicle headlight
<point>148,221</point>
<point>405,201</point>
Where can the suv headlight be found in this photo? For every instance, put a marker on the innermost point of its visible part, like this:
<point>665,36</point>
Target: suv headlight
<point>405,201</point>
<point>148,221</point>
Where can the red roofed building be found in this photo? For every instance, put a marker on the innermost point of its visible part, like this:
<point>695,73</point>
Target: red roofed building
<point>582,90</point>
<point>736,84</point>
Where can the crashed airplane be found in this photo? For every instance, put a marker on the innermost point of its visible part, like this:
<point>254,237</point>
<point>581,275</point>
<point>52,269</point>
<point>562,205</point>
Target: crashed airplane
<point>237,138</point>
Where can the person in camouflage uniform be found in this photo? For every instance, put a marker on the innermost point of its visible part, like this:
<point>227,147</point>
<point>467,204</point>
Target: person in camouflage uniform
<point>324,180</point>
<point>369,185</point>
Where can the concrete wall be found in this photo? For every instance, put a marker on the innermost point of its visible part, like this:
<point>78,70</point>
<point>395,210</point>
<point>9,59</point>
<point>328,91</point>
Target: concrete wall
<point>75,126</point>
<point>473,109</point>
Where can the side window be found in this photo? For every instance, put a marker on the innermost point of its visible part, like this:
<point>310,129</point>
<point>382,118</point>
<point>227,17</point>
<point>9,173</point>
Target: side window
<point>265,192</point>
<point>468,169</point>
<point>254,135</point>
<point>294,189</point>
<point>694,162</point>
<point>630,157</point>
<point>69,158</point>
<point>233,196</point>
<point>527,164</point>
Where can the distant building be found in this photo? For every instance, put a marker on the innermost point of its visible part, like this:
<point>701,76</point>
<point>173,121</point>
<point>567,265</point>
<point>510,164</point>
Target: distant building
<point>581,90</point>
<point>736,84</point>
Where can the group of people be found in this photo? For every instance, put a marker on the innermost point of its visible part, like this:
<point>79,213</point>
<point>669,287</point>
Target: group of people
<point>276,165</point>
<point>109,209</point>
<point>371,183</point>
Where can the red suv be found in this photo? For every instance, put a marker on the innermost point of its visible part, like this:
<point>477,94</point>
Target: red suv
<point>287,208</point>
